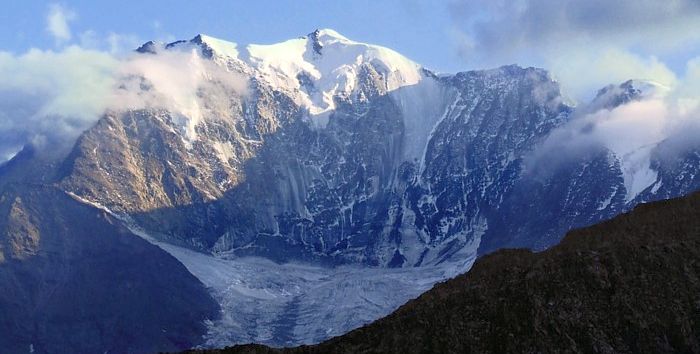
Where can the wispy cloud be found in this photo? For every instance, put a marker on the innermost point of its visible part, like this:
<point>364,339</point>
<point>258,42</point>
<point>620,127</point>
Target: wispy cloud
<point>57,22</point>
<point>120,43</point>
<point>48,98</point>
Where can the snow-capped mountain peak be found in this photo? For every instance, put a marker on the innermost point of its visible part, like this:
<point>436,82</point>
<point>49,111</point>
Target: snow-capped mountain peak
<point>646,88</point>
<point>324,65</point>
<point>613,96</point>
<point>314,69</point>
<point>211,45</point>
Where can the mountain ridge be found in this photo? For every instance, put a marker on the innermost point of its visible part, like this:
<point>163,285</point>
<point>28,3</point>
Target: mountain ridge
<point>462,108</point>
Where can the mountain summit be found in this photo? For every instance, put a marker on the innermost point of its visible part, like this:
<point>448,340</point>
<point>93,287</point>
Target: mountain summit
<point>314,69</point>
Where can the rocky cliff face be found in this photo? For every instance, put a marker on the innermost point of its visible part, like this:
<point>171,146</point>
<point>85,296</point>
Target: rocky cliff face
<point>580,189</point>
<point>627,285</point>
<point>343,152</point>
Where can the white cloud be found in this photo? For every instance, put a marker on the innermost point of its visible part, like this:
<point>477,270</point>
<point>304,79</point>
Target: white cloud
<point>46,95</point>
<point>57,22</point>
<point>114,43</point>
<point>89,40</point>
<point>667,118</point>
<point>120,43</point>
<point>175,80</point>
<point>689,88</point>
<point>48,98</point>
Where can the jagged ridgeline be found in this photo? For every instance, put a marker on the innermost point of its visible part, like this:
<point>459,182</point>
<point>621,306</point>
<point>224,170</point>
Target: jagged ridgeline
<point>346,152</point>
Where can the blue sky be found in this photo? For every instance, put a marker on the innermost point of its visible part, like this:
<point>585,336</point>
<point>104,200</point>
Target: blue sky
<point>443,35</point>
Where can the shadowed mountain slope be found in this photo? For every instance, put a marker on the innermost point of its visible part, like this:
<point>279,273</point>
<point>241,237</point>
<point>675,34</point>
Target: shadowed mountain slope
<point>74,280</point>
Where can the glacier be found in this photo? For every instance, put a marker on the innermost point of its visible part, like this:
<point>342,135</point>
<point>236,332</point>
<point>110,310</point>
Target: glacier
<point>294,304</point>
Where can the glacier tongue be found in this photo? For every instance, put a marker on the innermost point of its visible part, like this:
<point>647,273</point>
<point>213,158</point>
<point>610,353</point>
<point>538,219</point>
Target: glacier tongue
<point>293,304</point>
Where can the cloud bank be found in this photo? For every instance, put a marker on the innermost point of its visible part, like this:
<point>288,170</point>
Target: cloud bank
<point>48,98</point>
<point>174,80</point>
<point>47,95</point>
<point>587,45</point>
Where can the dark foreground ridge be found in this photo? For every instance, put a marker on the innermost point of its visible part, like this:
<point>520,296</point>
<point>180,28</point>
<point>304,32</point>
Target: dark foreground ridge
<point>627,285</point>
